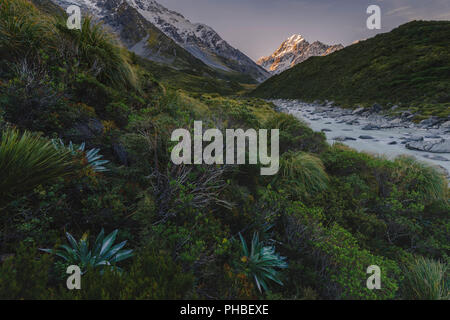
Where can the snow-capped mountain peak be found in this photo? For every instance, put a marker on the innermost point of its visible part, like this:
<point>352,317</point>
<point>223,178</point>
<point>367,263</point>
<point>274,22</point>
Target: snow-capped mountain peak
<point>295,38</point>
<point>295,50</point>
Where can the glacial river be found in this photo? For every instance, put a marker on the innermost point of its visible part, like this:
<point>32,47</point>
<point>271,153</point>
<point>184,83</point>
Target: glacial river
<point>383,139</point>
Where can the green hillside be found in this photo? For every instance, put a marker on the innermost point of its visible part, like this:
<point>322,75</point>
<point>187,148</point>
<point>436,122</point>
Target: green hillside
<point>409,65</point>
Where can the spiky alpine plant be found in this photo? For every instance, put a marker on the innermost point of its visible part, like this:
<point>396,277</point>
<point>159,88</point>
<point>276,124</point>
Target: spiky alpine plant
<point>93,158</point>
<point>101,255</point>
<point>262,262</point>
<point>28,160</point>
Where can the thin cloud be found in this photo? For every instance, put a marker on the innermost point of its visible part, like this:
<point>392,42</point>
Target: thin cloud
<point>399,10</point>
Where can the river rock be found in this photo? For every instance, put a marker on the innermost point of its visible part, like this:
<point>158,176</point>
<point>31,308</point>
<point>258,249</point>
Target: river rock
<point>366,137</point>
<point>413,139</point>
<point>358,111</point>
<point>392,143</point>
<point>442,146</point>
<point>326,130</point>
<point>370,127</point>
<point>430,122</point>
<point>445,125</point>
<point>396,122</point>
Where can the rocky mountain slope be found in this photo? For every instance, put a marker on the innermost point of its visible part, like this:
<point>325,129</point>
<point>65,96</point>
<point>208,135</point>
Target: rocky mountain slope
<point>161,35</point>
<point>199,39</point>
<point>136,33</point>
<point>294,51</point>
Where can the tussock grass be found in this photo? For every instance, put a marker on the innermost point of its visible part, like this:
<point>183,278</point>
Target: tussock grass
<point>417,175</point>
<point>305,171</point>
<point>23,29</point>
<point>27,160</point>
<point>27,33</point>
<point>101,51</point>
<point>426,279</point>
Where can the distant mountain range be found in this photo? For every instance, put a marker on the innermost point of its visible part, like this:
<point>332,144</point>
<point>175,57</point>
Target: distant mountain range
<point>161,35</point>
<point>294,51</point>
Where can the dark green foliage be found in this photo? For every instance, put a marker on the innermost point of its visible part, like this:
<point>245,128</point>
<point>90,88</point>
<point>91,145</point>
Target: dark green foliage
<point>152,275</point>
<point>336,257</point>
<point>25,276</point>
<point>296,135</point>
<point>408,65</point>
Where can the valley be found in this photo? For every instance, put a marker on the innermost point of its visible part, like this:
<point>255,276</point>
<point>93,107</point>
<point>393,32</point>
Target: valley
<point>378,134</point>
<point>89,157</point>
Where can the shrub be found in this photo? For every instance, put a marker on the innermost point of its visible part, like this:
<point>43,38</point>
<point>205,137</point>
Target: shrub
<point>338,261</point>
<point>24,276</point>
<point>295,135</point>
<point>32,100</point>
<point>153,275</point>
<point>426,279</point>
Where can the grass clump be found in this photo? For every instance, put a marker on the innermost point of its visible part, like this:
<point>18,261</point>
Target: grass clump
<point>427,279</point>
<point>27,160</point>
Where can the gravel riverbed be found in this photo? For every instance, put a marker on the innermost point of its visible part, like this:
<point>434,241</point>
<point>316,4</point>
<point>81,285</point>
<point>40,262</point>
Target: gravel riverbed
<point>371,131</point>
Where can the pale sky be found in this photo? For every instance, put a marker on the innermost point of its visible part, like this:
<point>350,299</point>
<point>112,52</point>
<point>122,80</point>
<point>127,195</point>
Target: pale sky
<point>257,27</point>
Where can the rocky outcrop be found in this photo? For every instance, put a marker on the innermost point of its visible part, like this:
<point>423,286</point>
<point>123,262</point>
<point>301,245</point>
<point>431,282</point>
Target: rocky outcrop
<point>441,146</point>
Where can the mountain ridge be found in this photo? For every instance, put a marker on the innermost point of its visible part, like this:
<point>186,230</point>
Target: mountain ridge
<point>161,35</point>
<point>293,51</point>
<point>202,41</point>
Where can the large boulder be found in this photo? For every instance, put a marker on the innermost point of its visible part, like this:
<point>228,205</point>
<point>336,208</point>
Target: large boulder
<point>442,146</point>
<point>430,122</point>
